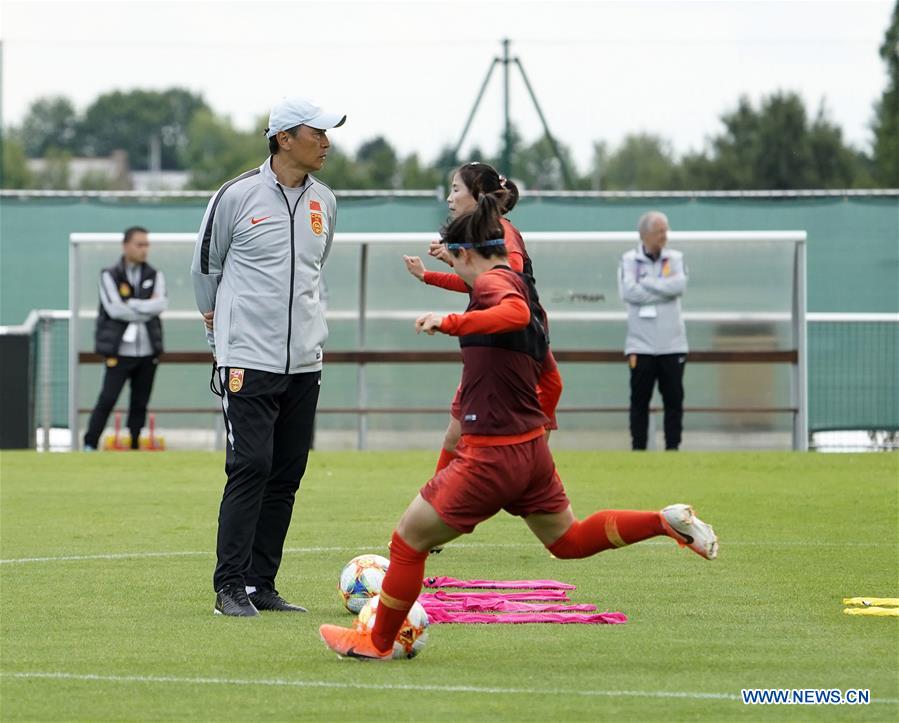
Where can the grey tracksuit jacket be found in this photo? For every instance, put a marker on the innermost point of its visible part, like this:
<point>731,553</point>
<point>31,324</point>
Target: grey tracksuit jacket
<point>258,263</point>
<point>652,290</point>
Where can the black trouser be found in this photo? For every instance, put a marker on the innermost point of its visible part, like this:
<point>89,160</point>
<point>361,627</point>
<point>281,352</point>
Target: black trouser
<point>141,370</point>
<point>668,370</point>
<point>269,425</point>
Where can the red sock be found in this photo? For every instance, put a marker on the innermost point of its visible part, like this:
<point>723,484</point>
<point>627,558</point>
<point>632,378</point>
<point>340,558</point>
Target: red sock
<point>445,458</point>
<point>400,588</point>
<point>604,530</point>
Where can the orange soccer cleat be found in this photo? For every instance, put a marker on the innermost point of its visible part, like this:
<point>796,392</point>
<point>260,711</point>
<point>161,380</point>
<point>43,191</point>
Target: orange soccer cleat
<point>352,642</point>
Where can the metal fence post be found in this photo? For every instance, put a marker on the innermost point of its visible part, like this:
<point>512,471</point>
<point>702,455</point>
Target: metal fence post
<point>74,281</point>
<point>45,384</point>
<point>799,376</point>
<point>361,382</point>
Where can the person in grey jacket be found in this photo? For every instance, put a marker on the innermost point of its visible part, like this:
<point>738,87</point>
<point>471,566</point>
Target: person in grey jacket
<point>257,276</point>
<point>651,281</point>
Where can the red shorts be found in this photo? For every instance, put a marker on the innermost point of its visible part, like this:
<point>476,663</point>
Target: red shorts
<point>518,478</point>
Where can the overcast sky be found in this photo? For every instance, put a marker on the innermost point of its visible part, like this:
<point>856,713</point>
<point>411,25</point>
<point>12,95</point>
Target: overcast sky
<point>411,70</point>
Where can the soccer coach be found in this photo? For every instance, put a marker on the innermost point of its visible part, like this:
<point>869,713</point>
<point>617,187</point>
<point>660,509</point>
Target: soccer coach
<point>257,275</point>
<point>651,281</point>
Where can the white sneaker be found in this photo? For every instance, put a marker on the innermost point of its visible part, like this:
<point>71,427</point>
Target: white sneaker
<point>688,530</point>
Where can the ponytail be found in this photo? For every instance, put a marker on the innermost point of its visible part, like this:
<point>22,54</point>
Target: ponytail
<point>485,221</point>
<point>511,194</point>
<point>482,179</point>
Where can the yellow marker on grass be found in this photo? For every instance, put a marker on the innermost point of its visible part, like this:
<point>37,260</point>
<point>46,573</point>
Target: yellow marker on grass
<point>873,611</point>
<point>884,602</point>
<point>873,606</point>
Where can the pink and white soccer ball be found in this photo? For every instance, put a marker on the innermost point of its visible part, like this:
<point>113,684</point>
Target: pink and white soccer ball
<point>361,579</point>
<point>413,635</point>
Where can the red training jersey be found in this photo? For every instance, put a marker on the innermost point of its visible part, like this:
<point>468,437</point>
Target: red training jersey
<point>503,351</point>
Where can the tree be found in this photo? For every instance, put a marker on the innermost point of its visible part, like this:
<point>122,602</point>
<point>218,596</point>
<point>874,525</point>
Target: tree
<point>55,174</point>
<point>833,164</point>
<point>50,122</point>
<point>215,151</point>
<point>129,120</point>
<point>541,169</point>
<point>379,160</point>
<point>773,147</point>
<point>414,175</point>
<point>643,162</point>
<point>536,164</point>
<point>886,111</point>
<point>445,162</point>
<point>15,164</point>
<point>342,172</point>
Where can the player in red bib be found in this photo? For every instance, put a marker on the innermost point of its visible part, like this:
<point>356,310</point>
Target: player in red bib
<point>469,183</point>
<point>503,460</point>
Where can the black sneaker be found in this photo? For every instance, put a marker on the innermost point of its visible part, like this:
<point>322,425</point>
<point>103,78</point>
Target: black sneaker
<point>232,600</point>
<point>271,600</point>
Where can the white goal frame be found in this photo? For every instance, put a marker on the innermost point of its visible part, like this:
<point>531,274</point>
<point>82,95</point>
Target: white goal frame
<point>797,315</point>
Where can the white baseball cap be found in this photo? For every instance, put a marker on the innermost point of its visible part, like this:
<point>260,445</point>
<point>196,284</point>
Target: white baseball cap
<point>295,110</point>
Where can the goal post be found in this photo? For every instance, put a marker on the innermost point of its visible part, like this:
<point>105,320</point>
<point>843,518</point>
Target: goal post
<point>766,288</point>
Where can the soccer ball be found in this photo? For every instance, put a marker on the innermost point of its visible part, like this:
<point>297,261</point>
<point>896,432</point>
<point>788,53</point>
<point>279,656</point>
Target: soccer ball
<point>413,635</point>
<point>361,579</point>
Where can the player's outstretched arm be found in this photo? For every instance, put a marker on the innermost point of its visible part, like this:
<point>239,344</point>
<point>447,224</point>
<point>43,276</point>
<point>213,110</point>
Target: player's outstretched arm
<point>450,282</point>
<point>510,314</point>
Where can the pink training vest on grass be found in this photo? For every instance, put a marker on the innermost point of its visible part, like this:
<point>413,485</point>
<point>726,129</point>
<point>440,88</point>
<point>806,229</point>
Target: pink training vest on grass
<point>544,595</point>
<point>508,608</point>
<point>498,603</point>
<point>498,584</point>
<point>444,616</point>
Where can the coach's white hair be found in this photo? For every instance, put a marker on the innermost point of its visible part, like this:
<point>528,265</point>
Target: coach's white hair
<point>648,220</point>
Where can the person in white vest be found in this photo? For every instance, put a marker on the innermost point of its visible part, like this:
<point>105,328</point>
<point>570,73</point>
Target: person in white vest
<point>651,281</point>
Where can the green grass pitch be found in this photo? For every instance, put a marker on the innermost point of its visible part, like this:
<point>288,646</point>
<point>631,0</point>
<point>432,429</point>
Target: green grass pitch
<point>107,602</point>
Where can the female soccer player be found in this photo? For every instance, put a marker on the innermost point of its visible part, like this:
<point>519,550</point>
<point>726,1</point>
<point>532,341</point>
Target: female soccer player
<point>503,460</point>
<point>470,182</point>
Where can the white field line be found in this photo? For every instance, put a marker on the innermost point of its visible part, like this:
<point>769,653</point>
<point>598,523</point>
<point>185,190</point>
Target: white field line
<point>277,682</point>
<point>452,545</point>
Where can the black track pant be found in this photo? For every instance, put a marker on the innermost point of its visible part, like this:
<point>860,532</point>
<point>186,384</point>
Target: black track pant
<point>668,370</point>
<point>141,370</point>
<point>269,422</point>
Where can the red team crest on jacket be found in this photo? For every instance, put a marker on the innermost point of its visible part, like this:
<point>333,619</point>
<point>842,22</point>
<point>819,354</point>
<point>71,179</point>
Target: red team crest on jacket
<point>317,223</point>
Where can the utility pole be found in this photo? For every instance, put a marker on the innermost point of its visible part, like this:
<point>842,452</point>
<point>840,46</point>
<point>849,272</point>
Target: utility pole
<point>506,60</point>
<point>507,132</point>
